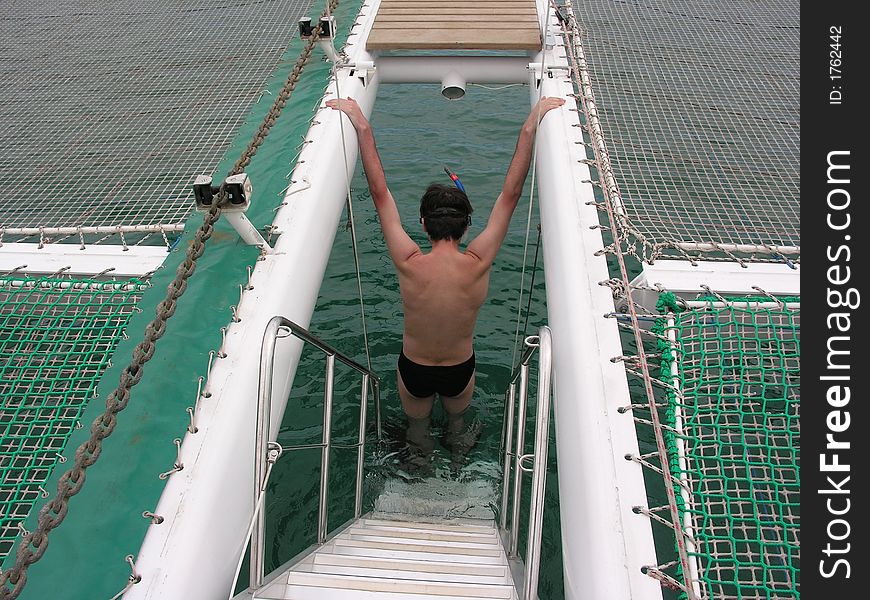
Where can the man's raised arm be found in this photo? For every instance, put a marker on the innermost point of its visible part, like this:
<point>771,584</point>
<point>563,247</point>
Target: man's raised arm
<point>486,245</point>
<point>400,245</point>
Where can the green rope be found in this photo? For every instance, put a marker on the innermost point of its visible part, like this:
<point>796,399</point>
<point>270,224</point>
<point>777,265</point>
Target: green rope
<point>739,373</point>
<point>56,338</point>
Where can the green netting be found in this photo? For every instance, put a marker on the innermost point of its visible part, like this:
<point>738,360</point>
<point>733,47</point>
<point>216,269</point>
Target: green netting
<point>56,338</point>
<point>736,441</point>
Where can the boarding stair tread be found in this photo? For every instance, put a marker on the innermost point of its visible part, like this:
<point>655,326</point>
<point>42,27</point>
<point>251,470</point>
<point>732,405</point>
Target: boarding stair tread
<point>390,559</point>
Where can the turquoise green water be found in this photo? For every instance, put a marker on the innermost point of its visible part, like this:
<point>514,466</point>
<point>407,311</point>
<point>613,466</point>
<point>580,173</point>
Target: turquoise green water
<point>417,132</point>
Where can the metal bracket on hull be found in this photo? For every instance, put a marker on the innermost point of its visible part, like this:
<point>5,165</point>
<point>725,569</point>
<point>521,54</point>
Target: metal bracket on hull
<point>240,192</point>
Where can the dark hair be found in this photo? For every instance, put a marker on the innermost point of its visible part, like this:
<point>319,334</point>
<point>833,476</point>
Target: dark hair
<point>446,210</point>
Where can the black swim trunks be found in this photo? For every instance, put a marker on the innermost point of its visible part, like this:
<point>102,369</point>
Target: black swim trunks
<point>423,381</point>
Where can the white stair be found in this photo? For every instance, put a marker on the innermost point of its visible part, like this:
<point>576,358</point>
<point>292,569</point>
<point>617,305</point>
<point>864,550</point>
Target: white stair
<point>385,559</point>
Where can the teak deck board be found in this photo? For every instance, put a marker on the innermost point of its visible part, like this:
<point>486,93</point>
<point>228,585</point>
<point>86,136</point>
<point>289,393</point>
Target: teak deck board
<point>455,25</point>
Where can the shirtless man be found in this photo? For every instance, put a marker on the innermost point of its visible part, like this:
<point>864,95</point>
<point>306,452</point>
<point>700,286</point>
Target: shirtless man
<point>442,290</point>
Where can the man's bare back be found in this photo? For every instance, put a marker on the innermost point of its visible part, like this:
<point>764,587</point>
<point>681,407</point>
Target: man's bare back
<point>442,293</point>
<point>444,289</point>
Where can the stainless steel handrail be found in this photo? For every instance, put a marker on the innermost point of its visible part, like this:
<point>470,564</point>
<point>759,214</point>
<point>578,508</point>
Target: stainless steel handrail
<point>543,344</point>
<point>264,409</point>
<point>507,429</point>
<point>518,471</point>
<point>539,470</point>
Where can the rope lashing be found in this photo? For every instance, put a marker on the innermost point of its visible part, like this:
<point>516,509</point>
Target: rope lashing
<point>616,222</point>
<point>531,189</point>
<point>532,282</point>
<point>349,203</point>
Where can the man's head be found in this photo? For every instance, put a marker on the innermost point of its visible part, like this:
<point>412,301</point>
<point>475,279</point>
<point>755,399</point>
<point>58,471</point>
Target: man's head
<point>445,212</point>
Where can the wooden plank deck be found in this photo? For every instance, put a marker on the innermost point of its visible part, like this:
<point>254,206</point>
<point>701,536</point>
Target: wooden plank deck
<point>455,25</point>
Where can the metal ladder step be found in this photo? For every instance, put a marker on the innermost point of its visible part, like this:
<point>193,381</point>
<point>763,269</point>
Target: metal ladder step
<point>425,534</point>
<point>415,550</point>
<point>407,569</point>
<point>453,527</point>
<point>379,559</point>
<point>411,555</point>
<point>300,584</point>
<point>476,543</point>
<point>299,592</point>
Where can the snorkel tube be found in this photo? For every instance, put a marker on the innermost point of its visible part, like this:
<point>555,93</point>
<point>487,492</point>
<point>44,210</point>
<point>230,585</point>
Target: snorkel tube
<point>455,179</point>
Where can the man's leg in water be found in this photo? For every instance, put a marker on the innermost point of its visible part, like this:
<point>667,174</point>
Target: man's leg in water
<point>455,406</point>
<point>459,438</point>
<point>419,413</point>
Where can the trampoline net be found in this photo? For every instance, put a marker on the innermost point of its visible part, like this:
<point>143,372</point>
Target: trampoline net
<point>110,109</point>
<point>699,103</point>
<point>737,431</point>
<point>56,338</point>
